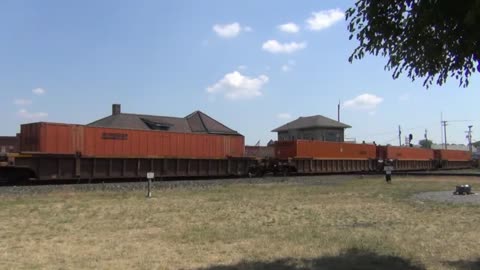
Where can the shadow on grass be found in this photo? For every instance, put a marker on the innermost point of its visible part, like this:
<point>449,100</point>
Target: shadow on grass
<point>464,265</point>
<point>349,259</point>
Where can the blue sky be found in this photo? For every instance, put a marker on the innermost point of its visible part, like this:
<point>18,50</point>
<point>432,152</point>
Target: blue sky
<point>252,65</point>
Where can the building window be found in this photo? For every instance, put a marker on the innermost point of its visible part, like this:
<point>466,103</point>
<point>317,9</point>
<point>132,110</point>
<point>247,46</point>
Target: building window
<point>156,125</point>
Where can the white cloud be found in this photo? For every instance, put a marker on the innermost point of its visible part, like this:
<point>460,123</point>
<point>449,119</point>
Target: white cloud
<point>289,28</point>
<point>22,102</point>
<point>237,86</point>
<point>39,91</point>
<point>284,116</point>
<point>363,102</point>
<point>23,113</point>
<point>325,18</point>
<point>227,30</point>
<point>274,46</point>
<point>230,30</point>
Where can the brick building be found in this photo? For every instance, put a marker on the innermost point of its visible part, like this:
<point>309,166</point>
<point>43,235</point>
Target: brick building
<point>315,127</point>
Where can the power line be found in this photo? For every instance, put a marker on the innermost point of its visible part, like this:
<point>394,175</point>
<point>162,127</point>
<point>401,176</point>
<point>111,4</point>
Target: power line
<point>444,124</point>
<point>394,132</point>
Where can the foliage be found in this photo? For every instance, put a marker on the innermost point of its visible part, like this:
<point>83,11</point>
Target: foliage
<point>432,39</point>
<point>476,144</point>
<point>425,143</point>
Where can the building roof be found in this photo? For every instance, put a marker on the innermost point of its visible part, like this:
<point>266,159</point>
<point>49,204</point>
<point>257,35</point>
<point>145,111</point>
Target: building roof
<point>315,121</point>
<point>199,122</point>
<point>196,122</point>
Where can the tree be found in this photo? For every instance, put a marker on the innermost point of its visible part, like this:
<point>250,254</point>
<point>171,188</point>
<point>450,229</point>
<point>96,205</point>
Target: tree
<point>425,144</point>
<point>432,39</point>
<point>476,144</point>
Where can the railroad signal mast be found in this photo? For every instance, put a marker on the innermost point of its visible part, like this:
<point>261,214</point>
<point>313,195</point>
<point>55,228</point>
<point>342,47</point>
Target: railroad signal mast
<point>469,138</point>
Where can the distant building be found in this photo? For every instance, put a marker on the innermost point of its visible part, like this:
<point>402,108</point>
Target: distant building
<point>196,122</point>
<point>8,144</point>
<point>454,147</point>
<point>315,127</point>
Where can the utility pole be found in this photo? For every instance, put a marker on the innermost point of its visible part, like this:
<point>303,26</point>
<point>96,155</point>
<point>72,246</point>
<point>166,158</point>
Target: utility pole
<point>426,134</point>
<point>444,123</point>
<point>441,128</point>
<point>469,137</point>
<point>338,111</point>
<point>399,135</point>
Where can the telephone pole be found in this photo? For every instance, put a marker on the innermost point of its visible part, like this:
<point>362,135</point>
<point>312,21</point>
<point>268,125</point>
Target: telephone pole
<point>399,135</point>
<point>441,128</point>
<point>444,124</point>
<point>338,111</point>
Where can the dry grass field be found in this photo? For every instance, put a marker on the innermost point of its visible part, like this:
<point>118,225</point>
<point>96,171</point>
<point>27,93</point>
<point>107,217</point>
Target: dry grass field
<point>308,224</point>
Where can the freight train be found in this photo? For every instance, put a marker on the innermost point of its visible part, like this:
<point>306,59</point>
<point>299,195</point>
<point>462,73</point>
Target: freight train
<point>51,151</point>
<point>316,157</point>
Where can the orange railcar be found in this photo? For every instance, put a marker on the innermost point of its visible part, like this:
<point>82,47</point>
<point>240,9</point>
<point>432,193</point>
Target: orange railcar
<point>123,142</point>
<point>453,155</point>
<point>405,153</point>
<point>407,158</point>
<point>324,150</point>
<point>53,138</point>
<point>453,159</point>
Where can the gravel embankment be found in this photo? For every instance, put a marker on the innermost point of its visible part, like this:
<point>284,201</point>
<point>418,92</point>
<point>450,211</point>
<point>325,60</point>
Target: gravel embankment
<point>197,184</point>
<point>448,197</point>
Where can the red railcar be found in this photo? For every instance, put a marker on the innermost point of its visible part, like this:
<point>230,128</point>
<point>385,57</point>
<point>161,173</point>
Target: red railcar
<point>453,155</point>
<point>404,153</point>
<point>323,150</point>
<point>51,151</point>
<point>407,158</point>
<point>453,159</point>
<point>53,138</point>
<point>309,156</point>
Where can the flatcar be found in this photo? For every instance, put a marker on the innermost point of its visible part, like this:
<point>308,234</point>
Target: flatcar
<point>50,151</point>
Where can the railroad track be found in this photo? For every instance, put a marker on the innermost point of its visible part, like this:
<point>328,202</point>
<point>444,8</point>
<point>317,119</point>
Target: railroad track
<point>189,181</point>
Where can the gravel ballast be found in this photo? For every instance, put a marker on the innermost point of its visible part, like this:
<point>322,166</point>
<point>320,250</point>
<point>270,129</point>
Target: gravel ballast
<point>448,197</point>
<point>158,185</point>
